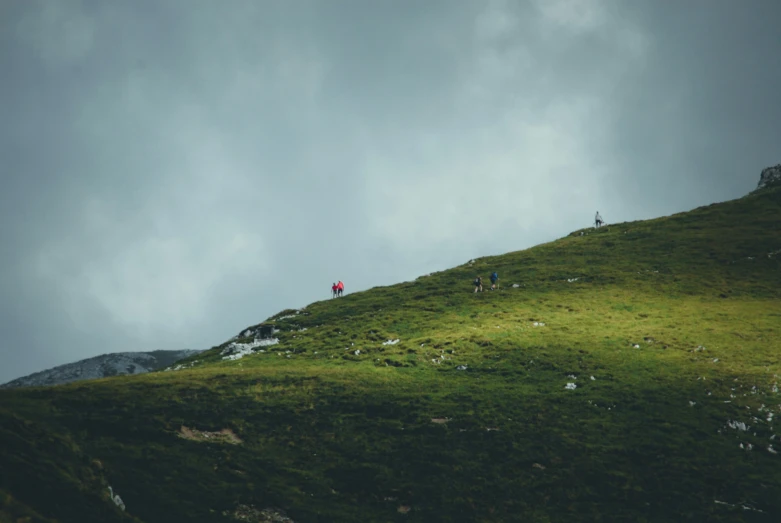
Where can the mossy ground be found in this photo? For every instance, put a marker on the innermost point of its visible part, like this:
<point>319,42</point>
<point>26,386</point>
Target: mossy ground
<point>333,436</point>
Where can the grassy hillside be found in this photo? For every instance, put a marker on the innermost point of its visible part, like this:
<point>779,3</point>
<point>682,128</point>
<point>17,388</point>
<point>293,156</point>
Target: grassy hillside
<point>668,328</point>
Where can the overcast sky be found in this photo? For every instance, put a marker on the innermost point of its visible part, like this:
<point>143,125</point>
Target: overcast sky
<point>176,170</point>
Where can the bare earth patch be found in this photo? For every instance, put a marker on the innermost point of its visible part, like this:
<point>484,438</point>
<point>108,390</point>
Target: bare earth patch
<point>251,514</point>
<point>223,436</point>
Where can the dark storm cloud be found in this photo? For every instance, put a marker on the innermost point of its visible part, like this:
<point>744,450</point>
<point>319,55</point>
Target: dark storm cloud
<point>174,171</point>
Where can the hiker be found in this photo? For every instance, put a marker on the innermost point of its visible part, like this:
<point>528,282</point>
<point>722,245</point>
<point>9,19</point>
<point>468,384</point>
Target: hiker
<point>334,290</point>
<point>598,220</point>
<point>478,284</point>
<point>340,288</point>
<point>494,279</point>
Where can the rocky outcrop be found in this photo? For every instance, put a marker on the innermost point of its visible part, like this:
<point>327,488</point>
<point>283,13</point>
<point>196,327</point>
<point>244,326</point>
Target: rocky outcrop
<point>770,176</point>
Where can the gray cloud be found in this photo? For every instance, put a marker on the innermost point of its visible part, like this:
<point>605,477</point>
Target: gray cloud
<point>176,171</point>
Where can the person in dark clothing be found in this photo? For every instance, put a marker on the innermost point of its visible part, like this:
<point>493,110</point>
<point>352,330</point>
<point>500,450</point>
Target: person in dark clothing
<point>494,279</point>
<point>478,284</point>
<point>334,290</point>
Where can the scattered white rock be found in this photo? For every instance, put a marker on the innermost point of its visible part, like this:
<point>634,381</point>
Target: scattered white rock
<point>357,352</point>
<point>692,403</point>
<point>593,378</point>
<point>181,366</point>
<point>571,280</point>
<point>461,367</point>
<point>391,342</point>
<point>771,449</point>
<point>570,386</point>
<point>744,507</point>
<point>715,360</point>
<point>572,376</point>
<point>236,351</point>
<point>636,346</point>
<point>739,425</point>
<point>538,324</point>
<point>116,499</point>
<point>515,286</point>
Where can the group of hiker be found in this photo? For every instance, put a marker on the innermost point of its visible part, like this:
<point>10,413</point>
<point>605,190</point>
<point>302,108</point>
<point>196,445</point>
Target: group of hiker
<point>338,288</point>
<point>598,222</point>
<point>494,282</point>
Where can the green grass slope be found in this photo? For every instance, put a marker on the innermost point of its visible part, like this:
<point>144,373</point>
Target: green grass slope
<point>669,329</point>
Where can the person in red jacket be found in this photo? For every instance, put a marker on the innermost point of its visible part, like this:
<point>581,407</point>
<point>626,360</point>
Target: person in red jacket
<point>334,290</point>
<point>340,287</point>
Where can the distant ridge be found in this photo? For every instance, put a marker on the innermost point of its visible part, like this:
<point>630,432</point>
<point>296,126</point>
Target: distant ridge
<point>103,366</point>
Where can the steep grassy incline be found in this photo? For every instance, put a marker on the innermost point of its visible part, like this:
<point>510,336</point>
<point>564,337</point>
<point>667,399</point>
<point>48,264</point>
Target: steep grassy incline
<point>621,374</point>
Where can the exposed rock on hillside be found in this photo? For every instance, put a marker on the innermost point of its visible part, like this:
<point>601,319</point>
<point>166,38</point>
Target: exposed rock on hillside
<point>769,176</point>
